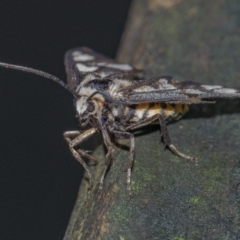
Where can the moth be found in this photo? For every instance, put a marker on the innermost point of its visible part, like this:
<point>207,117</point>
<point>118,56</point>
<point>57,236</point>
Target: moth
<point>115,99</point>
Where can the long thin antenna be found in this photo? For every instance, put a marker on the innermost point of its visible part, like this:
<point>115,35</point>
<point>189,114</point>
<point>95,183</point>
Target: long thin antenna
<point>40,73</point>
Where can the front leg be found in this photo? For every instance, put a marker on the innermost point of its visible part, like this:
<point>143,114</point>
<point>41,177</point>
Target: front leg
<point>109,146</point>
<point>74,138</point>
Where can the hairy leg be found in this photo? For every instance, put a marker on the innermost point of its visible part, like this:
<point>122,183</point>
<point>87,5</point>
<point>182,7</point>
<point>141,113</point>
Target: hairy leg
<point>128,135</point>
<point>74,138</point>
<point>143,122</point>
<point>109,146</point>
<point>167,140</point>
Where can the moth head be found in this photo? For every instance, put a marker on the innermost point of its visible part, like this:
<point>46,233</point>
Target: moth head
<point>89,106</point>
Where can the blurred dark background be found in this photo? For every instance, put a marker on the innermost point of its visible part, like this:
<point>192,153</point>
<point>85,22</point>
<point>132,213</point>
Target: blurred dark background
<point>39,178</point>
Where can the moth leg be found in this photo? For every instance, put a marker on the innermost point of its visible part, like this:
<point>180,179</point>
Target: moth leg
<point>108,160</point>
<point>128,135</point>
<point>77,138</point>
<point>143,122</point>
<point>167,140</point>
<point>74,138</point>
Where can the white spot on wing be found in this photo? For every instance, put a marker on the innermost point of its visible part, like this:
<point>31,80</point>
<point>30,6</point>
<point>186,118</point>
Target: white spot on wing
<point>75,53</point>
<point>210,87</point>
<point>225,90</point>
<point>165,85</point>
<point>192,91</point>
<point>83,68</point>
<point>124,67</point>
<point>144,89</point>
<point>163,81</point>
<point>83,57</point>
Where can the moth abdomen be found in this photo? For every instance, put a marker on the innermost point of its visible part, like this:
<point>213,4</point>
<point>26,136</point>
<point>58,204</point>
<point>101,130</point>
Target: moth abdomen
<point>147,110</point>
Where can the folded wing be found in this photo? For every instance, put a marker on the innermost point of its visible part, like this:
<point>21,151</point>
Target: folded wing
<point>168,90</point>
<point>81,61</point>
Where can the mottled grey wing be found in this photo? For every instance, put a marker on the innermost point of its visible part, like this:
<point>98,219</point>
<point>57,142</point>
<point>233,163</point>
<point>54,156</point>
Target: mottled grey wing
<point>81,61</point>
<point>168,90</point>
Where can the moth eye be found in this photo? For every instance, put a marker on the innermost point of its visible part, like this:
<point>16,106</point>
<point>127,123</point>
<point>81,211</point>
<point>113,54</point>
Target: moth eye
<point>90,107</point>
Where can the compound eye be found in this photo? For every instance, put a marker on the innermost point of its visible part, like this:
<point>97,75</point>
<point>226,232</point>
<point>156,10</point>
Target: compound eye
<point>90,107</point>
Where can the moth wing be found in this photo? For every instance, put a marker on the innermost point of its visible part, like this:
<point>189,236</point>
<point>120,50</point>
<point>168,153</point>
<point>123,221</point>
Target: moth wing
<point>81,61</point>
<point>169,90</point>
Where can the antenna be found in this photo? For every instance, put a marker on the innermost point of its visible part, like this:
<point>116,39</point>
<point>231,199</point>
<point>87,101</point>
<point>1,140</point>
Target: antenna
<point>40,73</point>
